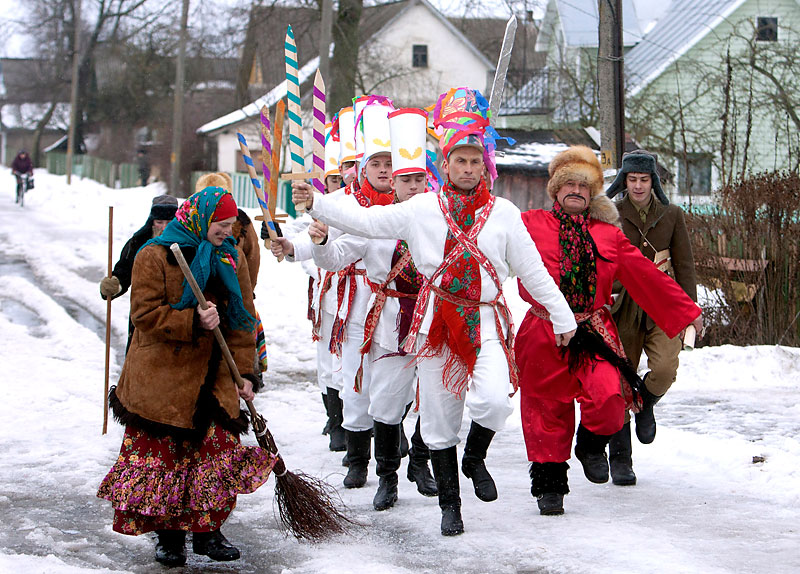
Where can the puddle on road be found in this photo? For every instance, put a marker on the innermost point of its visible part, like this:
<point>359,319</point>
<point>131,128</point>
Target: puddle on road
<point>21,314</point>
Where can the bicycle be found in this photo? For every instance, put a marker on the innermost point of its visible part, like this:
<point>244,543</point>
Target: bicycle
<point>25,183</point>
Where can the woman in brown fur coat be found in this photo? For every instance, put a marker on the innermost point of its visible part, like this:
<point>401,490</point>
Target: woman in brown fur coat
<point>181,465</point>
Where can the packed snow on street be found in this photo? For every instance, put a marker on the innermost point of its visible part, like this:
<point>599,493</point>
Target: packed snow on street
<point>718,491</point>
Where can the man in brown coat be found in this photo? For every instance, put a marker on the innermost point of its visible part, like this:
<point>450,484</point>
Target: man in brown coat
<point>658,229</point>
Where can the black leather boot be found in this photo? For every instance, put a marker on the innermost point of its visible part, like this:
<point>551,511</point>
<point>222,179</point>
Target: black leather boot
<point>336,433</point>
<point>445,469</point>
<point>403,438</point>
<point>171,547</point>
<point>387,457</point>
<point>646,419</point>
<point>358,453</point>
<point>548,486</point>
<point>418,471</point>
<point>472,464</point>
<point>214,545</point>
<point>590,450</point>
<point>619,457</point>
<point>326,429</point>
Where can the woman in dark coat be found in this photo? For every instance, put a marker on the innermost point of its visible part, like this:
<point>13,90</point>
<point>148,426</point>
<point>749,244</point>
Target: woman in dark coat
<point>181,465</point>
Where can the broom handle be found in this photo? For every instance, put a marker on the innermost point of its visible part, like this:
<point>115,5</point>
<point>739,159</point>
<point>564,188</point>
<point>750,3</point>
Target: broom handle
<point>108,321</point>
<point>176,250</point>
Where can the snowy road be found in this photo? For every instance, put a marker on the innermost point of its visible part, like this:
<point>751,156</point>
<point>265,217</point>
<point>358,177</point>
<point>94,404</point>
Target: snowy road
<point>703,503</point>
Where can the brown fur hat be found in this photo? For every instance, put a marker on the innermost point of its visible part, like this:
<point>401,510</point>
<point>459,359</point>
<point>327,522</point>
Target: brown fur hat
<point>577,163</point>
<point>220,179</point>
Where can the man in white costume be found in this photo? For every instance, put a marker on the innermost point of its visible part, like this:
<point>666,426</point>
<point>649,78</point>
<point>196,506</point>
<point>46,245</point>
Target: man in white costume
<point>466,242</point>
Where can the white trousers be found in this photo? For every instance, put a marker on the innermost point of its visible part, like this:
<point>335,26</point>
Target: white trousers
<point>392,385</point>
<point>355,405</point>
<point>329,366</point>
<point>441,411</point>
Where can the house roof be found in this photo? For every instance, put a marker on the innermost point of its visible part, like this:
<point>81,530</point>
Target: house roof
<point>305,25</point>
<point>534,150</point>
<point>682,26</point>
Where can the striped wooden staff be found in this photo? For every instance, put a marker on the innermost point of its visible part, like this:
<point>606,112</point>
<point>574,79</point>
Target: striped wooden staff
<point>251,170</point>
<point>319,131</point>
<point>266,167</point>
<point>293,111</point>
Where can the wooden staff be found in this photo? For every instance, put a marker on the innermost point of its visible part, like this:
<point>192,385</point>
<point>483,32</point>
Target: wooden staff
<point>108,321</point>
<point>251,170</point>
<point>306,505</point>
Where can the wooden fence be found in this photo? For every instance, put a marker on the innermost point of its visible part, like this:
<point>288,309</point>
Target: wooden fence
<point>114,175</point>
<point>245,196</point>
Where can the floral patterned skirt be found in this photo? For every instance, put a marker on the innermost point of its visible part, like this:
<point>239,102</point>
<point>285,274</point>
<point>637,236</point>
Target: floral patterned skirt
<point>169,484</point>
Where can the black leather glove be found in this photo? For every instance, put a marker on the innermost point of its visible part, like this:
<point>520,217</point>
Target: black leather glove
<point>265,230</point>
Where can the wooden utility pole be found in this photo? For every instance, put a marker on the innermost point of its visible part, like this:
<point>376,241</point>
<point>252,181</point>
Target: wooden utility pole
<point>73,98</point>
<point>177,108</point>
<point>325,39</point>
<point>611,83</point>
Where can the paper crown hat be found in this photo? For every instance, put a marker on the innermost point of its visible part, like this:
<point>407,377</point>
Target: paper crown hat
<point>331,153</point>
<point>376,131</point>
<point>347,135</point>
<point>461,117</point>
<point>407,128</point>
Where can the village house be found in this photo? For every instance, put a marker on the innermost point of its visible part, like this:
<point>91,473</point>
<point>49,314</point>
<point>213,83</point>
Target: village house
<point>713,88</point>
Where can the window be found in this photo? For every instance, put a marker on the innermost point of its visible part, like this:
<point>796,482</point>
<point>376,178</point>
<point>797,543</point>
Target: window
<point>767,29</point>
<point>419,56</point>
<point>699,166</point>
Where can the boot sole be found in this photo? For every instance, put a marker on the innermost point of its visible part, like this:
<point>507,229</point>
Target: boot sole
<point>624,482</point>
<point>381,508</point>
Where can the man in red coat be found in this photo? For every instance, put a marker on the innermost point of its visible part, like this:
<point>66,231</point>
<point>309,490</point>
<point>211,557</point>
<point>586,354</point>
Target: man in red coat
<point>584,251</point>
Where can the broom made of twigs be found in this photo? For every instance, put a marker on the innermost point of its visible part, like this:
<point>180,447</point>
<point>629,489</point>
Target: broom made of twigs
<point>308,507</point>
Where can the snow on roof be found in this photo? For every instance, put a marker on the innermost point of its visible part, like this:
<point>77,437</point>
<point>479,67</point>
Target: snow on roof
<point>685,23</point>
<point>26,116</point>
<point>530,155</point>
<point>254,109</point>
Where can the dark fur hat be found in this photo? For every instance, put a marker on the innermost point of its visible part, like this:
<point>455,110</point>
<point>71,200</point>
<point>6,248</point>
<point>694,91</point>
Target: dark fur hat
<point>638,161</point>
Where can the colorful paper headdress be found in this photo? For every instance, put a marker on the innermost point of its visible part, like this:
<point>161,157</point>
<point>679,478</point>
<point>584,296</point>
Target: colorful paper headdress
<point>462,117</point>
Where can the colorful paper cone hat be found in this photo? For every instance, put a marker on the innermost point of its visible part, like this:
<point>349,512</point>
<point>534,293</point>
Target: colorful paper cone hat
<point>407,128</point>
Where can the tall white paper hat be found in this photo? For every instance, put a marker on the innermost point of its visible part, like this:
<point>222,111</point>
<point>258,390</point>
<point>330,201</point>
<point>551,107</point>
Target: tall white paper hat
<point>331,154</point>
<point>347,134</point>
<point>407,127</point>
<point>376,131</point>
<point>358,106</point>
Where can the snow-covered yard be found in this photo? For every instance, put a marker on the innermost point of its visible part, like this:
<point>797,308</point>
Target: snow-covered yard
<point>718,491</point>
